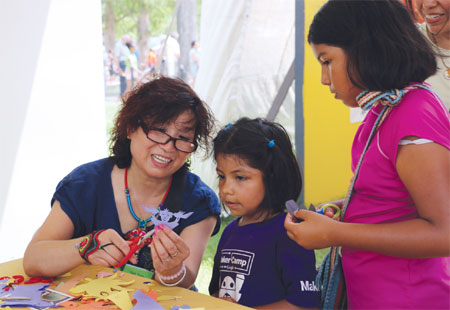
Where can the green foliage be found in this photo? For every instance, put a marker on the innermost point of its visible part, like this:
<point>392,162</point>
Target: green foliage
<point>204,274</point>
<point>320,254</point>
<point>161,13</point>
<point>126,14</point>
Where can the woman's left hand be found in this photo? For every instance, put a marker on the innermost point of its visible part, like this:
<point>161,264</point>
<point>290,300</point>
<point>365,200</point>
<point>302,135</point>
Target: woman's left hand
<point>314,232</point>
<point>168,251</point>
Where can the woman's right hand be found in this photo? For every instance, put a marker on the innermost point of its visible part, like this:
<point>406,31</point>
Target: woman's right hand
<point>113,248</point>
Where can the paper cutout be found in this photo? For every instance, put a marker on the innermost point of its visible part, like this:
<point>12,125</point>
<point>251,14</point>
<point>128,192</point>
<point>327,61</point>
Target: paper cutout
<point>121,299</point>
<point>104,274</point>
<point>165,216</point>
<point>151,293</point>
<point>55,297</point>
<point>65,287</point>
<point>67,274</point>
<point>150,283</point>
<point>180,307</point>
<point>3,284</point>
<point>73,305</point>
<point>10,281</point>
<point>32,291</point>
<point>144,302</point>
<point>167,297</point>
<point>100,288</point>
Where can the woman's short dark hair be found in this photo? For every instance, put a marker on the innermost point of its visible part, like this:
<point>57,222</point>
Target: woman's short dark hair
<point>158,102</point>
<point>384,48</point>
<point>249,139</point>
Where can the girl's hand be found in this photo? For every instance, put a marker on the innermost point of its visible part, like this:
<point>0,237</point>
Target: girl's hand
<point>168,251</point>
<point>330,212</point>
<point>113,248</point>
<point>315,232</point>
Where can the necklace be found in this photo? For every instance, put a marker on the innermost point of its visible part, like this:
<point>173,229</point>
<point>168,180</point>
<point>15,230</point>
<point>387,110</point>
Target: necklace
<point>142,222</point>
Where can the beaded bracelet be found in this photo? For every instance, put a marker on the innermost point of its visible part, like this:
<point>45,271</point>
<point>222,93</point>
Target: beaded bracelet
<point>172,277</point>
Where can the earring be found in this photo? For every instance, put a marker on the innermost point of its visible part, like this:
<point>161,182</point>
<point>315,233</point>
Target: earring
<point>188,161</point>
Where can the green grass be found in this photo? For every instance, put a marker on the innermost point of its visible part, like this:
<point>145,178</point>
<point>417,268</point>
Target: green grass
<point>204,274</point>
<point>320,254</point>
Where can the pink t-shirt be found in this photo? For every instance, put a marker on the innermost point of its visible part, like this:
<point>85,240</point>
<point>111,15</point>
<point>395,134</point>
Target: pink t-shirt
<point>375,280</point>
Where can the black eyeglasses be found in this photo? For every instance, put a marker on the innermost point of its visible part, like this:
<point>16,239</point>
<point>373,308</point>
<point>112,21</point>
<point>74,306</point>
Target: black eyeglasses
<point>159,136</point>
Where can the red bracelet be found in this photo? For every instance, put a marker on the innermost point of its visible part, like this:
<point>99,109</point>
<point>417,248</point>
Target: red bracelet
<point>89,245</point>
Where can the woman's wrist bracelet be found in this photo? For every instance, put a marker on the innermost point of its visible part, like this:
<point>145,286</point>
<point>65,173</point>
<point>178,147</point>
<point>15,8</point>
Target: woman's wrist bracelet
<point>89,245</point>
<point>162,278</point>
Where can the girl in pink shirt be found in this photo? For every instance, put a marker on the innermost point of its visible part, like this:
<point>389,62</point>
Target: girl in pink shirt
<point>395,236</point>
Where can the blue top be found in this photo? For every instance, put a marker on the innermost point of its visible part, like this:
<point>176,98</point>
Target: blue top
<point>257,264</point>
<point>86,196</point>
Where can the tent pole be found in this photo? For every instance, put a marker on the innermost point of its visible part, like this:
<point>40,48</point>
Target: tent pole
<point>299,70</point>
<point>282,92</point>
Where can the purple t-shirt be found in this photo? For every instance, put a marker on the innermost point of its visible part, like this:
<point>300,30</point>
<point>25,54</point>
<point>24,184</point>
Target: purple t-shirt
<point>257,264</point>
<point>380,281</point>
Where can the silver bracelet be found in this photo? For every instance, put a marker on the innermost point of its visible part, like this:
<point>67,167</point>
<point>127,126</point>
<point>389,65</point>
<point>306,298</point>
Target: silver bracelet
<point>164,278</point>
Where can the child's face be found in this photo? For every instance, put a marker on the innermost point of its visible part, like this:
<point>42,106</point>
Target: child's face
<point>334,73</point>
<point>241,187</point>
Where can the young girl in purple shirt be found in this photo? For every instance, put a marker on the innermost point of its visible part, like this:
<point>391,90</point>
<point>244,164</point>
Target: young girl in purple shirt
<point>256,264</point>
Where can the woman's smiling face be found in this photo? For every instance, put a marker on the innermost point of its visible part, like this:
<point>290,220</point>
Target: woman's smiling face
<point>162,160</point>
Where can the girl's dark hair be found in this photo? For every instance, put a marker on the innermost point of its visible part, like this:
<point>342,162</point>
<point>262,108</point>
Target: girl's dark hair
<point>156,103</point>
<point>411,9</point>
<point>384,48</point>
<point>250,140</point>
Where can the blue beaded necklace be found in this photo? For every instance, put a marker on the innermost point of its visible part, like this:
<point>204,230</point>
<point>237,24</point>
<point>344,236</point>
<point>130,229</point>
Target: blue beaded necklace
<point>142,222</point>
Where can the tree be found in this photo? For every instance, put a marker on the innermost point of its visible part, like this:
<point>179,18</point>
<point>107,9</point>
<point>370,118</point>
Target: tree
<point>143,34</point>
<point>138,18</point>
<point>187,30</point>
<point>109,24</point>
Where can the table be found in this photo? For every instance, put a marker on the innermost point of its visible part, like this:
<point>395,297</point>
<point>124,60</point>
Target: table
<point>191,298</point>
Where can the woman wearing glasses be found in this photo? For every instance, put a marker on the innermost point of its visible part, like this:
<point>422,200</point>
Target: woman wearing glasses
<point>145,186</point>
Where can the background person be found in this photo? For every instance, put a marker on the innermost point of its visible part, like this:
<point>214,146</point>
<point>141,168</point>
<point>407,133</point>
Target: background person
<point>436,28</point>
<point>132,72</point>
<point>194,60</point>
<point>395,236</point>
<point>145,181</point>
<point>121,53</point>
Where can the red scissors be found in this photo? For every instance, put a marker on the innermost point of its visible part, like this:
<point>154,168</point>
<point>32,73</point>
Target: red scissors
<point>137,243</point>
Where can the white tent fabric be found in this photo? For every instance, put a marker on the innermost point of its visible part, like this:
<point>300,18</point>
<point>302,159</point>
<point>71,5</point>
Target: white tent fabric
<point>247,47</point>
<point>53,111</point>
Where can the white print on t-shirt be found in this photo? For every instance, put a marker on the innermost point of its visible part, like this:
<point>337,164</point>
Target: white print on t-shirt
<point>237,261</point>
<point>234,266</point>
<point>308,286</point>
<point>165,215</point>
<point>232,287</point>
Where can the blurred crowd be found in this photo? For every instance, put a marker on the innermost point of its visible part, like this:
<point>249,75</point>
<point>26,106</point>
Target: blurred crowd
<point>122,64</point>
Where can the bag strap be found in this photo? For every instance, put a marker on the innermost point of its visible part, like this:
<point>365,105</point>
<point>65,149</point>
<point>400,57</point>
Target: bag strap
<point>366,100</point>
